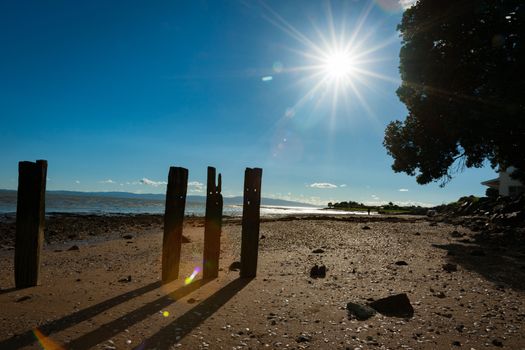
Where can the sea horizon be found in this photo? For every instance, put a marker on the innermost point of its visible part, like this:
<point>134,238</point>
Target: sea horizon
<point>90,203</point>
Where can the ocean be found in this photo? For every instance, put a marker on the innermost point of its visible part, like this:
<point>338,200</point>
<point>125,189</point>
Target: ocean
<point>104,205</point>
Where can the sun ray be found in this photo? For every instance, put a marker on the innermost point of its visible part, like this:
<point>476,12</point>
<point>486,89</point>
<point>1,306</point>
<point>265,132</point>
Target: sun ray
<point>360,23</point>
<point>291,30</point>
<point>391,40</point>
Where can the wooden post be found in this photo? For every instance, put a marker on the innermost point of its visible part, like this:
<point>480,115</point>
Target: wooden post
<point>212,226</point>
<point>250,222</point>
<point>30,221</point>
<point>173,220</point>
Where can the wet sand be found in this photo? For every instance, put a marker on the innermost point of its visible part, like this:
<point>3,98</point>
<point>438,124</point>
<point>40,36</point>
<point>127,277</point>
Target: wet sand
<point>107,294</point>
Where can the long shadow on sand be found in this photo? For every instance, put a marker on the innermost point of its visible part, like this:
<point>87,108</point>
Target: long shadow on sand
<point>499,258</point>
<point>178,329</point>
<point>28,337</point>
<point>110,329</point>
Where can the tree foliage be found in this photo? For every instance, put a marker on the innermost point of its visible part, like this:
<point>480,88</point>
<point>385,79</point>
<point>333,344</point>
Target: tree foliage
<point>462,65</point>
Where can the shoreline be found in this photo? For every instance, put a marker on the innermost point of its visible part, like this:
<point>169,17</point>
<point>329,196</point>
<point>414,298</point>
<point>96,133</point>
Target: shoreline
<point>63,227</point>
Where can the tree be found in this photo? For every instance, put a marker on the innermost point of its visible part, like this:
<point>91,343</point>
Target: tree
<point>462,65</point>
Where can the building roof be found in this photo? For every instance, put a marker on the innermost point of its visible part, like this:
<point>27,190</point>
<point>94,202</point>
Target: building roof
<point>494,183</point>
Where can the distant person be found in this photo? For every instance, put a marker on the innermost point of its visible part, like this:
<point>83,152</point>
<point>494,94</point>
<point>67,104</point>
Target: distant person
<point>368,211</point>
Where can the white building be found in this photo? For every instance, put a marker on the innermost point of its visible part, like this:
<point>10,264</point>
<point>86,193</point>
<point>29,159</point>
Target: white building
<point>505,185</point>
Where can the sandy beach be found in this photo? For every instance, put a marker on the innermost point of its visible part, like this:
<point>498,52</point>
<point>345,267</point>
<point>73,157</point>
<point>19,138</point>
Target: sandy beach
<point>100,287</point>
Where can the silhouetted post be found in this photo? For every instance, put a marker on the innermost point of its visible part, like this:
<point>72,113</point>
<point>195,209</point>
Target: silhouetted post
<point>250,222</point>
<point>30,220</point>
<point>212,226</point>
<point>173,220</point>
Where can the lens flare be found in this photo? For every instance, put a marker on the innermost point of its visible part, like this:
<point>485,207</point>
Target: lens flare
<point>194,274</point>
<point>45,342</point>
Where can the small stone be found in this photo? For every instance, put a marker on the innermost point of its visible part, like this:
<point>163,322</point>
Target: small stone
<point>235,266</point>
<point>395,305</point>
<point>456,234</point>
<point>74,247</point>
<point>318,251</point>
<point>125,279</point>
<point>127,236</point>
<point>360,312</point>
<point>318,271</point>
<point>497,342</point>
<point>456,343</point>
<point>440,295</point>
<point>303,338</point>
<point>401,263</point>
<point>192,301</point>
<point>366,227</point>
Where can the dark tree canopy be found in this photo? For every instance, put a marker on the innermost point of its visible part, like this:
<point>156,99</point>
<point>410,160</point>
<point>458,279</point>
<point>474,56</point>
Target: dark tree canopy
<point>462,65</point>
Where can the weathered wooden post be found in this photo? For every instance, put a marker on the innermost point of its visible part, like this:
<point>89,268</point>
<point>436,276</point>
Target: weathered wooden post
<point>30,221</point>
<point>212,226</point>
<point>250,222</point>
<point>173,220</point>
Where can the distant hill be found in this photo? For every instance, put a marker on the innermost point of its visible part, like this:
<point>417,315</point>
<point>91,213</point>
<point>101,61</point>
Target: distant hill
<point>159,196</point>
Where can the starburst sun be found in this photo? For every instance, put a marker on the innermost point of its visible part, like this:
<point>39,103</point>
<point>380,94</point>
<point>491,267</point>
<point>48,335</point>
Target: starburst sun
<point>339,62</point>
<point>338,65</point>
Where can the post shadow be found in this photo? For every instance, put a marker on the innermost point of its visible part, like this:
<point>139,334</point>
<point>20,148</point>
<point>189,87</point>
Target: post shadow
<point>178,329</point>
<point>110,329</point>
<point>4,291</point>
<point>28,338</point>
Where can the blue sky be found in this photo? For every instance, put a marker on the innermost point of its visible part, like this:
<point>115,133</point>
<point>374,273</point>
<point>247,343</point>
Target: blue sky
<point>112,93</point>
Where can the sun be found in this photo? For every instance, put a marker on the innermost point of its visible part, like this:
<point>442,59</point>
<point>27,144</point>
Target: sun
<point>338,65</point>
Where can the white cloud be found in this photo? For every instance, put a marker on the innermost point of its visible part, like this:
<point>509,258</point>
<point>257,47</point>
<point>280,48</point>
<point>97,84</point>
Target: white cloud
<point>77,181</point>
<point>374,197</point>
<point>108,181</point>
<point>403,190</point>
<point>148,182</point>
<point>343,185</point>
<point>323,185</point>
<point>195,186</point>
<point>407,3</point>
